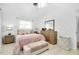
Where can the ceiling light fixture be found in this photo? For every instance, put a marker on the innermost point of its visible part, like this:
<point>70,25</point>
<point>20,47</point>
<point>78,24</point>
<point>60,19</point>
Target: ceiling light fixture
<point>40,5</point>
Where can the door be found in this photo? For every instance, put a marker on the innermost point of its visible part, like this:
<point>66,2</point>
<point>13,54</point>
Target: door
<point>77,31</point>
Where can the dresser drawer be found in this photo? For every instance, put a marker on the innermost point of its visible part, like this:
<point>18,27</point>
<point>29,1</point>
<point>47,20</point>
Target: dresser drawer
<point>8,39</point>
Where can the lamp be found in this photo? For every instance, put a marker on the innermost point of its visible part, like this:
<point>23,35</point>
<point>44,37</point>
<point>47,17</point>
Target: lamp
<point>9,27</point>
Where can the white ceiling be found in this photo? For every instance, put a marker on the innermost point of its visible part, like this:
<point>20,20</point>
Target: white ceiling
<point>27,10</point>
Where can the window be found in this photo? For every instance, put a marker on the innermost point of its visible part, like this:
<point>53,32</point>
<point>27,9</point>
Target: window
<point>25,24</point>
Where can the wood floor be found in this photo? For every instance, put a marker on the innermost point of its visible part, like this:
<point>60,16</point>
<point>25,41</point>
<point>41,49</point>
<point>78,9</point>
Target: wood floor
<point>7,49</point>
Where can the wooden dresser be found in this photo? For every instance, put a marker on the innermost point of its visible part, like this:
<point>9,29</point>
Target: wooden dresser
<point>50,35</point>
<point>8,39</point>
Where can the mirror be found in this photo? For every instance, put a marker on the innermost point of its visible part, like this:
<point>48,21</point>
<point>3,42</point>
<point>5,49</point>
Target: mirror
<point>50,24</point>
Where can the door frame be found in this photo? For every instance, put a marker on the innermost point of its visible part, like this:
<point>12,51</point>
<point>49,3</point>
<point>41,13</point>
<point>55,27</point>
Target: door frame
<point>77,24</point>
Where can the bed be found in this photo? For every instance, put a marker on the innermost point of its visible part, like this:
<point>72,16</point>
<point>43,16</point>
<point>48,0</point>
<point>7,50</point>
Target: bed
<point>22,40</point>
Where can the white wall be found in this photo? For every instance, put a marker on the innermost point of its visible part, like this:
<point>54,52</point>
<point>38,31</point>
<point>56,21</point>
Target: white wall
<point>0,31</point>
<point>10,14</point>
<point>64,15</point>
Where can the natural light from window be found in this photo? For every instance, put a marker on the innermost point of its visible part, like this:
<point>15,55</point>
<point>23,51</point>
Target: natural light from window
<point>25,24</point>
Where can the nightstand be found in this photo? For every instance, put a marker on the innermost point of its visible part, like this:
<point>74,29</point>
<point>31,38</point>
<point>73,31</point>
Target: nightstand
<point>9,39</point>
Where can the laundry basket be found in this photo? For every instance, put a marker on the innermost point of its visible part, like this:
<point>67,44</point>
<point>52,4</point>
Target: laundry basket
<point>64,42</point>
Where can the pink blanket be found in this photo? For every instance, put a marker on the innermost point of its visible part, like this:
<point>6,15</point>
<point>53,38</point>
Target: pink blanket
<point>22,40</point>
